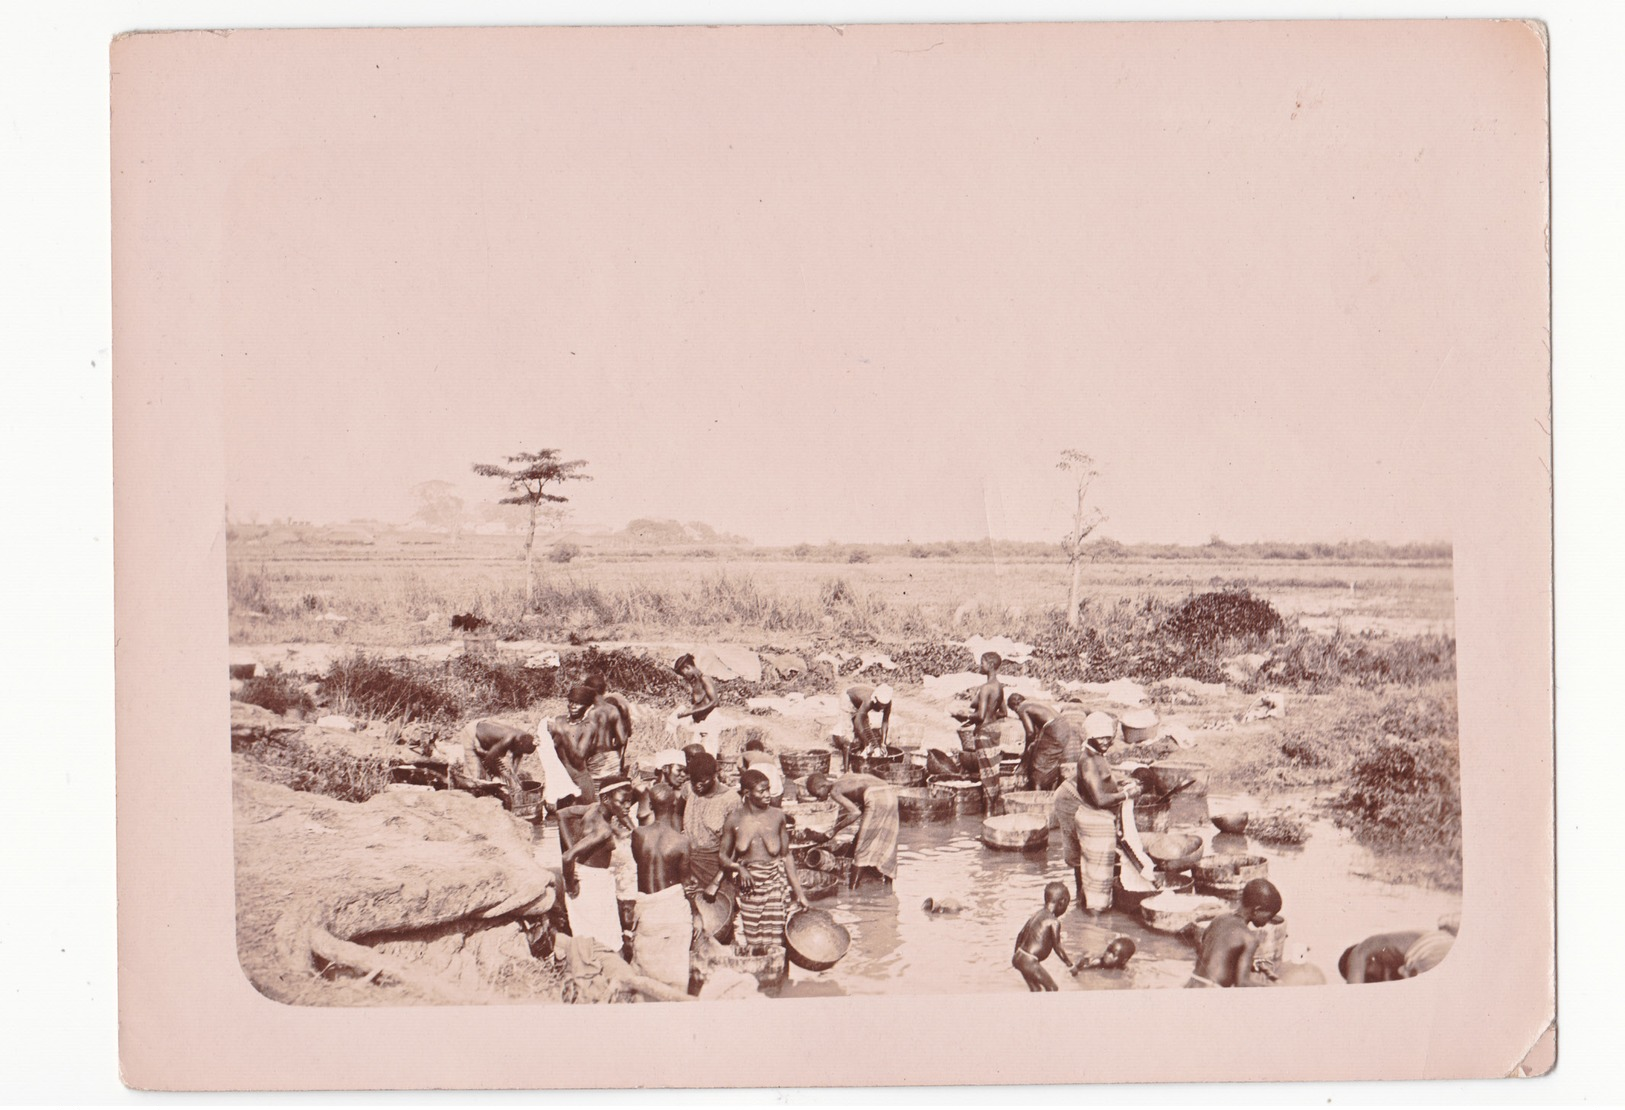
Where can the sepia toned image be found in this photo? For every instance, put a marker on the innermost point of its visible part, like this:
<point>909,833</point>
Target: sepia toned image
<point>809,515</point>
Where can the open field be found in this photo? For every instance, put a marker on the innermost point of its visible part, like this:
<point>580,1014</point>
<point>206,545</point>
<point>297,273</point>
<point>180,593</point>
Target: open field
<point>381,590</point>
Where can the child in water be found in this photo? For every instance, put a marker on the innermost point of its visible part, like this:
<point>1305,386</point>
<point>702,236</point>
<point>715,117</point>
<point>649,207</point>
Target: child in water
<point>1041,936</point>
<point>1115,958</point>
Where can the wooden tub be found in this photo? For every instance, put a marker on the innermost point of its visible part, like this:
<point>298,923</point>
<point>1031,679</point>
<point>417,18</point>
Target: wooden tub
<point>1015,832</point>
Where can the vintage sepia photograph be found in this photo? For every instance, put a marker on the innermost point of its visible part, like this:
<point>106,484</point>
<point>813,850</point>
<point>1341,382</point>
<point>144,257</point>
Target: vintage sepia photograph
<point>775,514</point>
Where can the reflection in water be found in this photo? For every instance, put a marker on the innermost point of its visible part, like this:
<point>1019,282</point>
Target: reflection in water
<point>897,947</point>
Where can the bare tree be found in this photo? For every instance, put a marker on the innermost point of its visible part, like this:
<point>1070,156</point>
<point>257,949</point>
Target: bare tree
<point>528,475</point>
<point>439,506</point>
<point>1085,519</point>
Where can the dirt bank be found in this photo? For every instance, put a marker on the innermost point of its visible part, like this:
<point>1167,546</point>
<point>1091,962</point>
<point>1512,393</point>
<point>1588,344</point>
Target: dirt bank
<point>407,897</point>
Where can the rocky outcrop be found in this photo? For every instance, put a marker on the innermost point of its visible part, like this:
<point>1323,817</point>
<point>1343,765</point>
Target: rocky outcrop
<point>408,897</point>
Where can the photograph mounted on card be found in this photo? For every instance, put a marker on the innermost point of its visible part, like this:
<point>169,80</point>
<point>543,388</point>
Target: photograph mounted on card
<point>807,540</point>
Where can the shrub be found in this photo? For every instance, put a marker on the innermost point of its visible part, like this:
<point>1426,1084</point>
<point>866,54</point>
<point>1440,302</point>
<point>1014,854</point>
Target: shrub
<point>277,692</point>
<point>318,770</point>
<point>401,689</point>
<point>801,550</point>
<point>857,555</point>
<point>1404,797</point>
<point>563,553</point>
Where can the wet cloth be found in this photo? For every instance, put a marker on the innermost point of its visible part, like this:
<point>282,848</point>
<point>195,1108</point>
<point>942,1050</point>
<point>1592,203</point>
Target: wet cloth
<point>1200,981</point>
<point>595,912</point>
<point>988,760</point>
<point>557,781</point>
<point>765,907</point>
<point>662,934</point>
<point>1097,844</point>
<point>876,845</point>
<point>1065,806</point>
<point>1428,951</point>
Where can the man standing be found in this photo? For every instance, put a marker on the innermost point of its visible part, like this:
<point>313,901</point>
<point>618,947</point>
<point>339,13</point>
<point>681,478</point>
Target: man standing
<point>600,743</point>
<point>587,837</point>
<point>662,919</point>
<point>705,810</point>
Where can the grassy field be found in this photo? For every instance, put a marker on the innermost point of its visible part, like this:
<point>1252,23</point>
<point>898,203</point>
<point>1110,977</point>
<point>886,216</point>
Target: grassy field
<point>1367,649</point>
<point>382,590</point>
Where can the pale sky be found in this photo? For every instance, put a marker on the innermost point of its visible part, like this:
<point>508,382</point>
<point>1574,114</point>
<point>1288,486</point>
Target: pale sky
<point>805,285</point>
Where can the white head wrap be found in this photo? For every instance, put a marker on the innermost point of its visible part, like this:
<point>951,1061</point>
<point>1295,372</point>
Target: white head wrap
<point>1099,726</point>
<point>883,694</point>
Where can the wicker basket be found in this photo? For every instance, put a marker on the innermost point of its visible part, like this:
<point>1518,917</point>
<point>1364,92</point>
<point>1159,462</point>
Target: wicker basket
<point>966,794</point>
<point>918,805</point>
<point>1225,876</point>
<point>1038,803</point>
<point>819,817</point>
<point>878,765</point>
<point>812,761</point>
<point>902,773</point>
<point>1013,782</point>
<point>766,964</point>
<point>1170,912</point>
<point>1152,816</point>
<point>818,884</point>
<point>1015,832</point>
<point>1139,726</point>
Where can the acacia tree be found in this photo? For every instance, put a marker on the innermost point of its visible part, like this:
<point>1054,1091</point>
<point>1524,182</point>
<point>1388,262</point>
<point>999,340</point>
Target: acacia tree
<point>1085,519</point>
<point>528,475</point>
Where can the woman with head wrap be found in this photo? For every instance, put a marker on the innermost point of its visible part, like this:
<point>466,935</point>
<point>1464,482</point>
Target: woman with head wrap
<point>755,849</point>
<point>1097,819</point>
<point>705,810</point>
<point>872,803</point>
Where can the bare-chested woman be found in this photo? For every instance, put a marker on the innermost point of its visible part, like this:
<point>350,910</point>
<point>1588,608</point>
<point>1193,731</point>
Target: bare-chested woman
<point>755,849</point>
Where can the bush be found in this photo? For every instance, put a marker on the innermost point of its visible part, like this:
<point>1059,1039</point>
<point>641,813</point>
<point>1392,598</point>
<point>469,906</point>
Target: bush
<point>399,689</point>
<point>801,550</point>
<point>1405,797</point>
<point>277,692</point>
<point>857,555</point>
<point>318,770</point>
<point>563,553</point>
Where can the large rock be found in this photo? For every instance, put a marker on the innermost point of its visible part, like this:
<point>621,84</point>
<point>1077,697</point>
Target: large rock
<point>253,723</point>
<point>417,891</point>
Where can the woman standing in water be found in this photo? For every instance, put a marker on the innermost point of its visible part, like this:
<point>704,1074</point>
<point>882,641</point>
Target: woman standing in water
<point>755,850</point>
